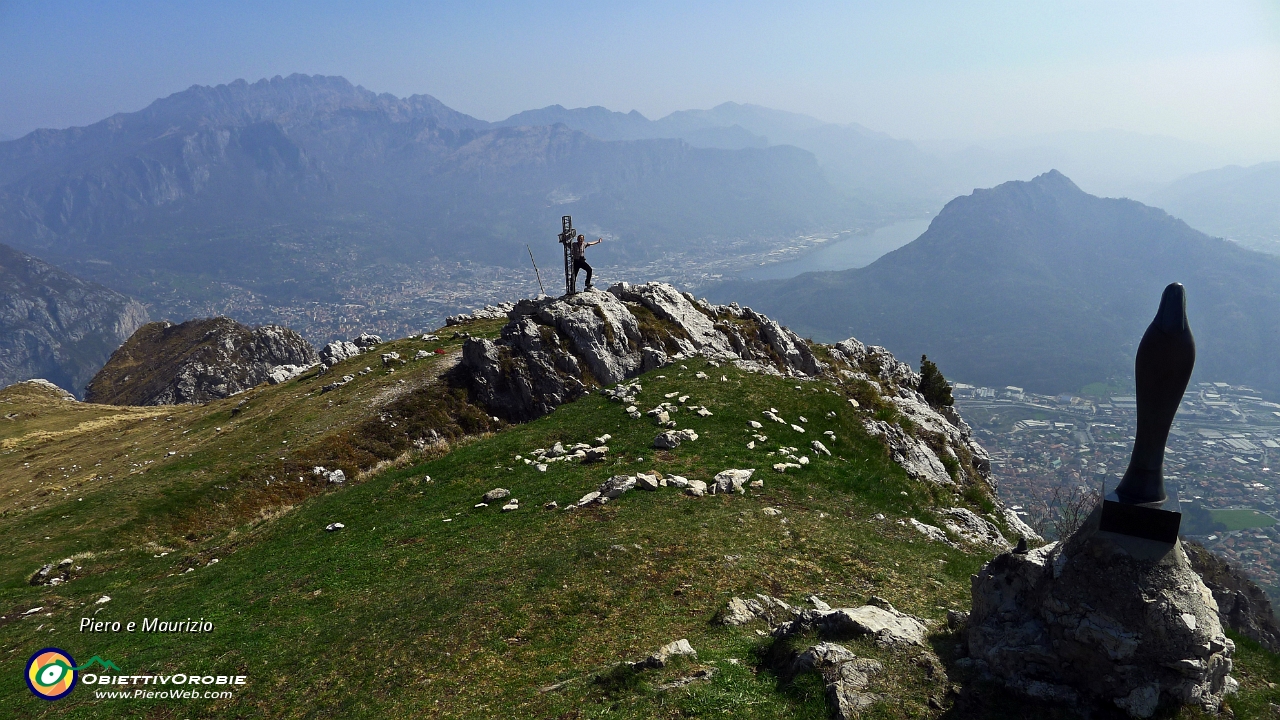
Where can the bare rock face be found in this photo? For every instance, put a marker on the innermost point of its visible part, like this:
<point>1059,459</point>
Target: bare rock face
<point>1242,605</point>
<point>1101,618</point>
<point>897,383</point>
<point>197,361</point>
<point>554,350</point>
<point>56,326</point>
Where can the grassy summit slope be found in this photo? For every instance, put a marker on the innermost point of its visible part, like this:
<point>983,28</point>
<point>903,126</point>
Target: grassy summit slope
<point>425,606</point>
<point>97,478</point>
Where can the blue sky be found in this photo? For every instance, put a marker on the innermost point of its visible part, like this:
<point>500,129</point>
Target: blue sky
<point>1207,72</point>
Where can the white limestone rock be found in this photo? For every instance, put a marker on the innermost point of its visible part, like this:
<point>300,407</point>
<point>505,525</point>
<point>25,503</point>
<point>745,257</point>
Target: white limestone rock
<point>973,529</point>
<point>1102,618</point>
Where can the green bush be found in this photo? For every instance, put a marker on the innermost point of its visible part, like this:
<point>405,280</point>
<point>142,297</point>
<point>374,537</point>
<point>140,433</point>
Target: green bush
<point>933,386</point>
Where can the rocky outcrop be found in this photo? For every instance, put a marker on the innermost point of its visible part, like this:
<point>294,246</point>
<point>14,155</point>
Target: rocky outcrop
<point>1102,618</point>
<point>1242,605</point>
<point>198,361</point>
<point>939,437</point>
<point>56,326</point>
<point>488,312</point>
<point>554,350</point>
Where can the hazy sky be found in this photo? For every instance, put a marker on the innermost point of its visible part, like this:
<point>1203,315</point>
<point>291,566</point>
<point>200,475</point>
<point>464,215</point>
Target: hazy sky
<point>1205,71</point>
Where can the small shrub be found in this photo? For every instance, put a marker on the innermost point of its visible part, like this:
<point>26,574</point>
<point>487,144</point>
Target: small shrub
<point>933,386</point>
<point>622,678</point>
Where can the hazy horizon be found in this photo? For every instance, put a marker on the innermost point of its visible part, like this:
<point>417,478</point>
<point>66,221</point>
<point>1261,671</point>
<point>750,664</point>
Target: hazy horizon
<point>991,74</point>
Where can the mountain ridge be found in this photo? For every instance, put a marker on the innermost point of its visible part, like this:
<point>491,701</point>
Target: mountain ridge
<point>56,326</point>
<point>1039,284</point>
<point>290,189</point>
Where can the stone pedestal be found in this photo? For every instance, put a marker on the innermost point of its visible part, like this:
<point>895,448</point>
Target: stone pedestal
<point>1101,618</point>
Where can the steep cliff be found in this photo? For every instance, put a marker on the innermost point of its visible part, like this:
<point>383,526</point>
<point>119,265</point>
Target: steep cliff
<point>56,326</point>
<point>197,361</point>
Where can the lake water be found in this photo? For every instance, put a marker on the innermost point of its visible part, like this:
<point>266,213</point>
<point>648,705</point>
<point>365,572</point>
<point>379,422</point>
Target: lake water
<point>854,252</point>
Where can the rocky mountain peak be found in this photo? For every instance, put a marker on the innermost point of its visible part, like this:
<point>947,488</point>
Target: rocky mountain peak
<point>196,361</point>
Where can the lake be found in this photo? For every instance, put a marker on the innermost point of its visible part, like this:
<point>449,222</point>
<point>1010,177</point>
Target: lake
<point>854,252</point>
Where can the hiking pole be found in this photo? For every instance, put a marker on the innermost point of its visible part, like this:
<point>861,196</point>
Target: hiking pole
<point>535,268</point>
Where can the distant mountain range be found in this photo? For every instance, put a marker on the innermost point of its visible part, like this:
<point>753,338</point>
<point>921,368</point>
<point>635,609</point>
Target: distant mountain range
<point>1041,285</point>
<point>1239,203</point>
<point>893,173</point>
<point>278,186</point>
<point>56,326</point>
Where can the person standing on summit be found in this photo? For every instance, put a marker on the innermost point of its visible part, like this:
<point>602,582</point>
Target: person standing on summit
<point>579,251</point>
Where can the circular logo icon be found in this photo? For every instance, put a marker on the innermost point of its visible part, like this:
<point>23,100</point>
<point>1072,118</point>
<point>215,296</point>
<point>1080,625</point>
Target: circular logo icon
<point>51,673</point>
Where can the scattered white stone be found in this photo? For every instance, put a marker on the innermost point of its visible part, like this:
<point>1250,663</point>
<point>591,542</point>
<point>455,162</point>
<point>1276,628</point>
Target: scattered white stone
<point>730,481</point>
<point>797,428</point>
<point>804,419</point>
<point>677,481</point>
<point>756,484</point>
<point>754,424</point>
<point>496,494</point>
<point>103,600</point>
<point>588,498</point>
<point>542,467</point>
<point>701,376</point>
<point>931,531</point>
<point>659,659</point>
<point>333,526</point>
<point>703,412</point>
<point>647,482</point>
<point>820,448</point>
<point>804,459</point>
<point>771,511</point>
<point>513,505</point>
<point>887,626</point>
<point>696,488</point>
<point>751,445</point>
<point>667,441</point>
<point>615,486</point>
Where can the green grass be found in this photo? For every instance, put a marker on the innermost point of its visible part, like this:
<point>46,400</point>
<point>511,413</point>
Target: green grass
<point>403,614</point>
<point>1105,390</point>
<point>1242,519</point>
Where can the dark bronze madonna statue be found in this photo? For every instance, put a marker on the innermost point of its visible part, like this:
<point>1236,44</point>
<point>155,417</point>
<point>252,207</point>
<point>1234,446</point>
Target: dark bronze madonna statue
<point>1162,370</point>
